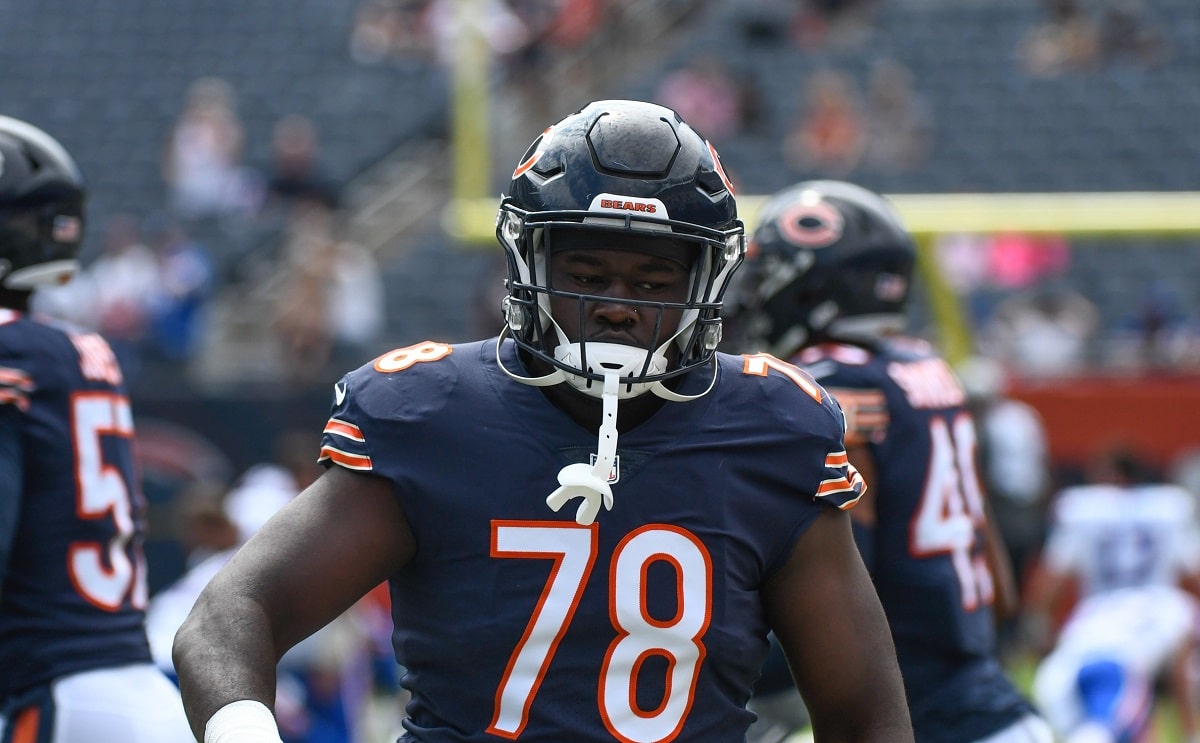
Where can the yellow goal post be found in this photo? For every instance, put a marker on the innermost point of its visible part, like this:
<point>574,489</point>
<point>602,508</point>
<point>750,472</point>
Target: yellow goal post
<point>1129,215</point>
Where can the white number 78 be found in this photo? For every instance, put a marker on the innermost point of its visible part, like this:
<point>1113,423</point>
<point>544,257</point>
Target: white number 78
<point>639,635</point>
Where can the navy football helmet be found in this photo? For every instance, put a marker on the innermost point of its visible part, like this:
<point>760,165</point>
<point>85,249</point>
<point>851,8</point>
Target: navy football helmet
<point>828,260</point>
<point>41,208</point>
<point>622,168</point>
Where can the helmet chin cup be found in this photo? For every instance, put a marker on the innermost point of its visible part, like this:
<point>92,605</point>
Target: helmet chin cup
<point>604,359</point>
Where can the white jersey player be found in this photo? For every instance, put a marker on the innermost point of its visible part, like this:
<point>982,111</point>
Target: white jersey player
<point>1125,550</point>
<point>1098,683</point>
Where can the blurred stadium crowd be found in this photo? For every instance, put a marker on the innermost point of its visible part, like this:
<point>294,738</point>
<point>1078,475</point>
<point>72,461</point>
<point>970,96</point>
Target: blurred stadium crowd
<point>268,182</point>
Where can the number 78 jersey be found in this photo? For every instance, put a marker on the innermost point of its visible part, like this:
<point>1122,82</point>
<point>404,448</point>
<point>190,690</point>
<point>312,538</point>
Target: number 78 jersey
<point>514,621</point>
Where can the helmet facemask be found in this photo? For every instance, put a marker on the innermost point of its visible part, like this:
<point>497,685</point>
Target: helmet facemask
<point>530,243</point>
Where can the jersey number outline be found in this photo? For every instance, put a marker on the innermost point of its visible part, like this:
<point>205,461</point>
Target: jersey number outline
<point>640,636</point>
<point>758,364</point>
<point>951,509</point>
<point>104,574</point>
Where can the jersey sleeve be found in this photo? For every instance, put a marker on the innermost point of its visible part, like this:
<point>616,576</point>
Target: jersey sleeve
<point>343,440</point>
<point>375,406</point>
<point>820,426</point>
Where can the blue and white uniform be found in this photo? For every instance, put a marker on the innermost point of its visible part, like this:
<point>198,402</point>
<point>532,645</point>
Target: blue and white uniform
<point>654,607</point>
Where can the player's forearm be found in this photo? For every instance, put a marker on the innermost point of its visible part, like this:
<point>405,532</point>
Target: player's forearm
<point>223,655</point>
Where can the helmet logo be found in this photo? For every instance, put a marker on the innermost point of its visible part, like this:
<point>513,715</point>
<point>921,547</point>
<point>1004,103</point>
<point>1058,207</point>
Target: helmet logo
<point>812,225</point>
<point>536,155</point>
<point>719,167</point>
<point>66,229</point>
<point>616,204</point>
<point>891,287</point>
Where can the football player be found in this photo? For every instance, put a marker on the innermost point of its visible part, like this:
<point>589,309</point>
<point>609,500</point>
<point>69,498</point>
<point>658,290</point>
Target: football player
<point>826,286</point>
<point>75,665</point>
<point>590,523</point>
<point>1123,547</point>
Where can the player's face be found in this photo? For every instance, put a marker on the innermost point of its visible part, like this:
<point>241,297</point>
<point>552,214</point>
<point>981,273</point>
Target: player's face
<point>656,272</point>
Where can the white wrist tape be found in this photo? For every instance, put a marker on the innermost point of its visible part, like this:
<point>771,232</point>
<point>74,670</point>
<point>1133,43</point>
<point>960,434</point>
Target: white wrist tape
<point>244,721</point>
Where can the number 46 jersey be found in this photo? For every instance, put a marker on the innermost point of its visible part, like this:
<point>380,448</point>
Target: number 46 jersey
<point>905,405</point>
<point>74,582</point>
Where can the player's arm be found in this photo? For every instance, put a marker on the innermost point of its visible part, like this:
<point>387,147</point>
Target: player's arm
<point>828,619</point>
<point>863,515</point>
<point>1049,594</point>
<point>1007,597</point>
<point>327,548</point>
<point>10,484</point>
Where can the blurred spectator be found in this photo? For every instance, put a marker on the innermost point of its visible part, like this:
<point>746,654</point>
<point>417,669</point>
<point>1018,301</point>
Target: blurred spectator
<point>838,24</point>
<point>295,172</point>
<point>829,136</point>
<point>330,298</point>
<point>494,22</point>
<point>1066,41</point>
<point>899,121</point>
<point>202,164</point>
<point>179,303</point>
<point>1045,330</point>
<point>1157,332</point>
<point>1017,260</point>
<point>1125,34</point>
<point>707,95</point>
<point>390,29</point>
<point>1078,38</point>
<point>203,527</point>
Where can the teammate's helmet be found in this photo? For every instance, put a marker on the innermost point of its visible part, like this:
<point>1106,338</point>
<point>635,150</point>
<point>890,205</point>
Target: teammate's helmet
<point>41,208</point>
<point>828,260</point>
<point>619,167</point>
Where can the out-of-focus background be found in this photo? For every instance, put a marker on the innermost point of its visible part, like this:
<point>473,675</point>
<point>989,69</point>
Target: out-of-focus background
<point>282,190</point>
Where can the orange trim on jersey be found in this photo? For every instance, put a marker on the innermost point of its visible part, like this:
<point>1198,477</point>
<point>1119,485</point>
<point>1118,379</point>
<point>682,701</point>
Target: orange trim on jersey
<point>14,397</point>
<point>345,458</point>
<point>26,724</point>
<point>836,459</point>
<point>344,429</point>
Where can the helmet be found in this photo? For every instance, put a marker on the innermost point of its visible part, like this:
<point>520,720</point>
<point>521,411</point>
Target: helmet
<point>828,260</point>
<point>623,168</point>
<point>41,208</point>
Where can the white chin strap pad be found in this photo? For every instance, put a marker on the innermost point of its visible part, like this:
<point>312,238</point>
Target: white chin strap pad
<point>590,482</point>
<point>607,359</point>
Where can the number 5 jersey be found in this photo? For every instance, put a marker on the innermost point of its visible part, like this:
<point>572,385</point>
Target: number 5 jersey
<point>74,588</point>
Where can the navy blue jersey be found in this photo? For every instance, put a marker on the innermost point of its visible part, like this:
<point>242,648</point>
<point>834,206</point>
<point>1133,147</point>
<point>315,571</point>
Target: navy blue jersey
<point>906,405</point>
<point>74,585</point>
<point>514,620</point>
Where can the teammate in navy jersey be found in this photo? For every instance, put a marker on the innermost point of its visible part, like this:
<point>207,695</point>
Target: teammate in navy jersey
<point>560,572</point>
<point>75,666</point>
<point>826,286</point>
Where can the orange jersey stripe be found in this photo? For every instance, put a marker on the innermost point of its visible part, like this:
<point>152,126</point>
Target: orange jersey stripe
<point>345,459</point>
<point>342,428</point>
<point>836,459</point>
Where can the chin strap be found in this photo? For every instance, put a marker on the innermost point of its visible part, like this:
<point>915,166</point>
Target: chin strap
<point>590,482</point>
